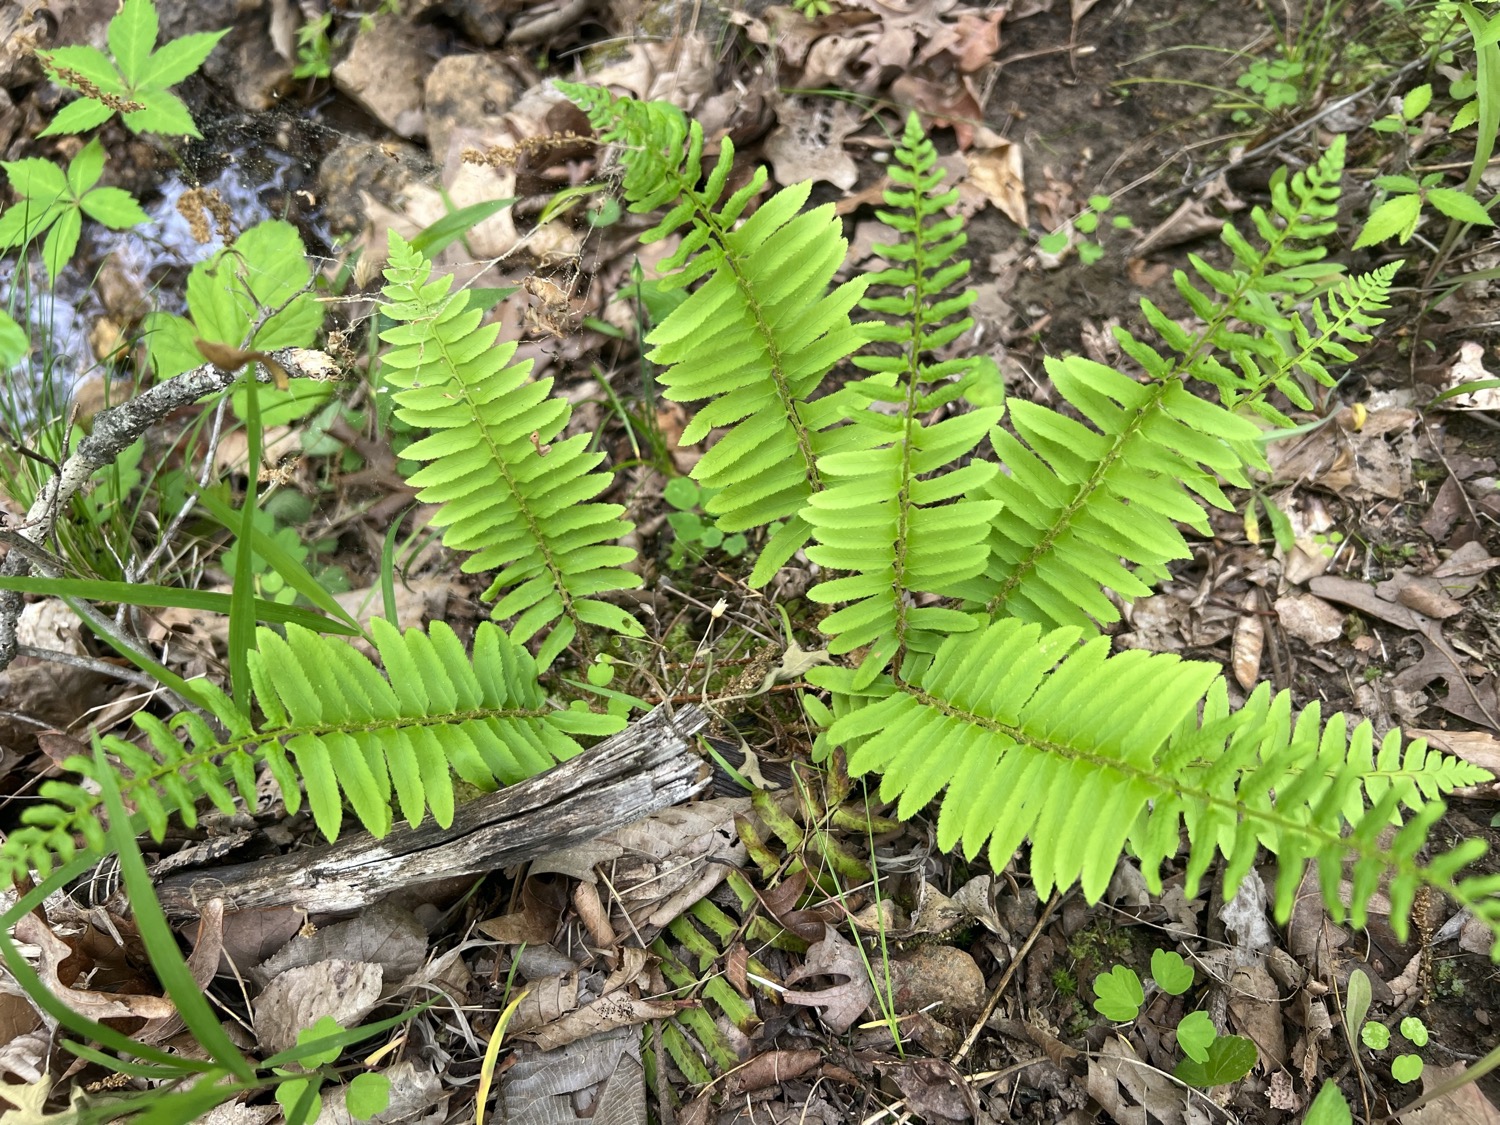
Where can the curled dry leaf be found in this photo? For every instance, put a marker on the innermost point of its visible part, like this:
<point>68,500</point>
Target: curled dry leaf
<point>1249,642</point>
<point>770,1068</point>
<point>996,170</point>
<point>839,1004</point>
<point>95,1005</point>
<point>934,1090</point>
<point>346,990</point>
<point>384,935</point>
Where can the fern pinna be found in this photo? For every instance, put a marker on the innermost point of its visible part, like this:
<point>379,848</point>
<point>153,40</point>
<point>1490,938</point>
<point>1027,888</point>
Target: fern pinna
<point>1024,728</point>
<point>507,490</point>
<point>758,335</point>
<point>333,720</point>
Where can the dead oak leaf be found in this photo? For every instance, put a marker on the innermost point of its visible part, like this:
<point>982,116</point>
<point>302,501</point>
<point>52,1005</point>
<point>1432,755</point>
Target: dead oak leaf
<point>839,1004</point>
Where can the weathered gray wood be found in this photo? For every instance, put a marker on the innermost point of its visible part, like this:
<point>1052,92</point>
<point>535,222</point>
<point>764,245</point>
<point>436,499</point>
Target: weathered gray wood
<point>646,767</point>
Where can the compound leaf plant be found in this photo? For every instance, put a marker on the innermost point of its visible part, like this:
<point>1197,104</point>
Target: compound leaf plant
<point>964,545</point>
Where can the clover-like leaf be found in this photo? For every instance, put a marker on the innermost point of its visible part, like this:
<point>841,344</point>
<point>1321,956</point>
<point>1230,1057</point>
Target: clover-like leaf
<point>367,1095</point>
<point>1118,994</point>
<point>1195,1034</point>
<point>1230,1058</point>
<point>1328,1108</point>
<point>1172,974</point>
<point>1406,1068</point>
<point>1415,1031</point>
<point>1375,1036</point>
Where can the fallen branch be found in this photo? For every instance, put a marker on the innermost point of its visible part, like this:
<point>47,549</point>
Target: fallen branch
<point>646,767</point>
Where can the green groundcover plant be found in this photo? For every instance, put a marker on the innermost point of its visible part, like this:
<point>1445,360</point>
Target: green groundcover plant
<point>970,553</point>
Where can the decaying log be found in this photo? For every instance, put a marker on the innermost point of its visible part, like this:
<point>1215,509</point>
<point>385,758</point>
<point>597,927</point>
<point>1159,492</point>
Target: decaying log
<point>646,767</point>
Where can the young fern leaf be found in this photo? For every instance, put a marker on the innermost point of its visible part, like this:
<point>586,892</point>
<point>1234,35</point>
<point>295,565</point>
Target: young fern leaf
<point>757,336</point>
<point>335,721</point>
<point>1086,509</point>
<point>892,515</point>
<point>1077,501</point>
<point>1089,755</point>
<point>511,494</point>
<point>1252,313</point>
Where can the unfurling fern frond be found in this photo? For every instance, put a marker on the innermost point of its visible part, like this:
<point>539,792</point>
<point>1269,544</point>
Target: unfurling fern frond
<point>336,722</point>
<point>511,494</point>
<point>1029,736</point>
<point>893,515</point>
<point>757,336</point>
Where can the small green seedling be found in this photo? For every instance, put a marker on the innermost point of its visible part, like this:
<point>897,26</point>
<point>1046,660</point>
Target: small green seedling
<point>1212,1059</point>
<point>1401,213</point>
<point>1085,224</point>
<point>1377,1037</point>
<point>1413,105</point>
<point>55,202</point>
<point>694,532</point>
<point>1276,84</point>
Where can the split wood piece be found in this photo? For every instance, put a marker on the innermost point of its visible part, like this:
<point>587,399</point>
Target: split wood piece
<point>649,766</point>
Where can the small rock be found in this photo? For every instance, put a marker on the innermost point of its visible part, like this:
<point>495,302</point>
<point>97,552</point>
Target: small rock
<point>473,91</point>
<point>384,73</point>
<point>358,169</point>
<point>481,21</point>
<point>1310,619</point>
<point>937,974</point>
<point>121,290</point>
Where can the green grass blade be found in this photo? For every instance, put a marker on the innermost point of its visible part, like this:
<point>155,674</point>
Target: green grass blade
<point>157,936</point>
<point>296,575</point>
<point>175,597</point>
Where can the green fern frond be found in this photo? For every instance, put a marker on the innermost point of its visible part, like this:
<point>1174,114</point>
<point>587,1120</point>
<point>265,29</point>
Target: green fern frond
<point>1088,509</point>
<point>755,339</point>
<point>893,517</point>
<point>1088,754</point>
<point>509,492</point>
<point>1254,336</point>
<point>341,726</point>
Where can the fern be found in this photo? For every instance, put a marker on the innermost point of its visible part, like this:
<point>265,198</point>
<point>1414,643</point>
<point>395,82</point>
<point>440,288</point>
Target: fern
<point>890,515</point>
<point>508,491</point>
<point>756,338</point>
<point>334,724</point>
<point>1088,754</point>
<point>1262,291</point>
<point>1087,510</point>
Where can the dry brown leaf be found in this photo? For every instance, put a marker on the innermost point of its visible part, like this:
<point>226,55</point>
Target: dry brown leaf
<point>1309,618</point>
<point>1465,1106</point>
<point>1249,642</point>
<point>934,1090</point>
<point>346,990</point>
<point>1253,1002</point>
<point>609,1012</point>
<point>978,38</point>
<point>840,1004</point>
<point>1131,1092</point>
<point>996,170</point>
<point>808,142</point>
<point>1468,367</point>
<point>95,1005</point>
<point>384,935</point>
<point>770,1068</point>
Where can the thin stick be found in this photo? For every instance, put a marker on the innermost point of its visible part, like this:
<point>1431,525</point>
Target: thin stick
<point>1010,971</point>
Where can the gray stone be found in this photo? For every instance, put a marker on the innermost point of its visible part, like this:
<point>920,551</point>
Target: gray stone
<point>384,73</point>
<point>471,91</point>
